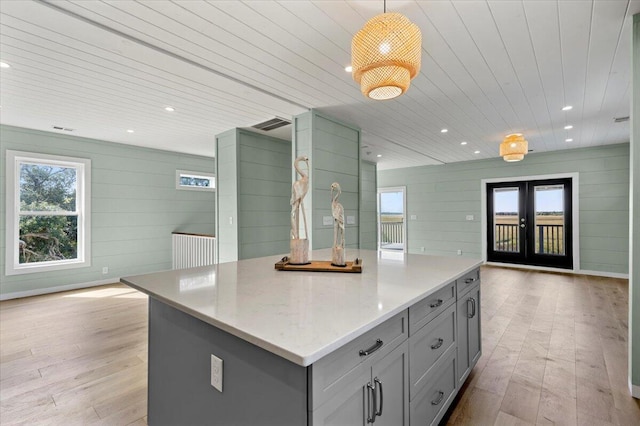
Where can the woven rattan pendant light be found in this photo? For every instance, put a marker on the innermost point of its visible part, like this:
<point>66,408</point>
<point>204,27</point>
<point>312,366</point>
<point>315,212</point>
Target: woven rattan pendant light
<point>385,55</point>
<point>514,147</point>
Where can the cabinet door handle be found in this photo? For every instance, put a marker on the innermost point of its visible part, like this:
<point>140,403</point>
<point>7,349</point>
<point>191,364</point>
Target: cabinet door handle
<point>372,349</point>
<point>437,345</point>
<point>436,304</point>
<point>439,399</point>
<point>473,307</point>
<point>469,280</point>
<point>377,382</point>
<point>371,394</point>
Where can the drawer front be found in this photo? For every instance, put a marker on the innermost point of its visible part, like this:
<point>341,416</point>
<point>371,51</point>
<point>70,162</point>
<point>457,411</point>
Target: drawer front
<point>433,401</point>
<point>467,281</point>
<point>429,308</point>
<point>428,345</point>
<point>337,370</point>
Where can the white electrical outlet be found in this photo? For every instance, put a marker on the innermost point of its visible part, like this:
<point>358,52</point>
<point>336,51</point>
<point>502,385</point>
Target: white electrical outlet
<point>421,248</point>
<point>327,220</point>
<point>469,217</point>
<point>230,220</point>
<point>216,372</point>
<point>105,269</point>
<point>413,217</point>
<point>351,220</point>
<point>459,252</point>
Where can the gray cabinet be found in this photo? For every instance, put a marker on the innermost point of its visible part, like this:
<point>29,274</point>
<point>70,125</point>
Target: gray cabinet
<point>469,335</point>
<point>380,395</point>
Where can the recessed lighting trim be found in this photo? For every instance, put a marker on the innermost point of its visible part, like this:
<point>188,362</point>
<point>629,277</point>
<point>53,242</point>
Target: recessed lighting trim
<point>568,127</point>
<point>4,65</point>
<point>170,109</point>
<point>568,140</point>
<point>444,130</point>
<point>567,108</point>
<point>348,68</point>
<point>379,155</point>
<point>463,143</point>
<point>476,152</point>
<point>129,131</point>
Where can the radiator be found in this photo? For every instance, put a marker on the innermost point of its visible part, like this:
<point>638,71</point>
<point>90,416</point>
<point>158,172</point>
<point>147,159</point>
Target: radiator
<point>191,250</point>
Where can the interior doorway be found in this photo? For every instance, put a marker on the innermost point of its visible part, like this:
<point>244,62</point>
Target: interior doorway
<point>531,222</point>
<point>392,224</point>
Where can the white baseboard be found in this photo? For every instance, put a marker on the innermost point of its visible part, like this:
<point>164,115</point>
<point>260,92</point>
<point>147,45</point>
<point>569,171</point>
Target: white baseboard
<point>39,291</point>
<point>565,271</point>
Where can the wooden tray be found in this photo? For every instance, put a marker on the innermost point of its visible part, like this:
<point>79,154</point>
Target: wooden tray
<point>320,266</point>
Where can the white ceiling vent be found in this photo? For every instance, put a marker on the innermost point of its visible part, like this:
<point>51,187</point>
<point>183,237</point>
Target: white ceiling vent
<point>621,119</point>
<point>272,124</point>
<point>66,129</point>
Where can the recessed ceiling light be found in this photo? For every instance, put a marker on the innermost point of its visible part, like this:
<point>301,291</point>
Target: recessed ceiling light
<point>4,65</point>
<point>568,127</point>
<point>348,68</point>
<point>476,152</point>
<point>444,131</point>
<point>129,131</point>
<point>379,155</point>
<point>567,108</point>
<point>568,140</point>
<point>170,109</point>
<point>463,143</point>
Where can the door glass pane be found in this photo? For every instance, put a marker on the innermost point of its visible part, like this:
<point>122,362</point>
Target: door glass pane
<point>549,219</point>
<point>506,236</point>
<point>392,220</point>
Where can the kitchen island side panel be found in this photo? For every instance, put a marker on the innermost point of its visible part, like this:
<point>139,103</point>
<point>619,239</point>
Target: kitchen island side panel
<point>258,386</point>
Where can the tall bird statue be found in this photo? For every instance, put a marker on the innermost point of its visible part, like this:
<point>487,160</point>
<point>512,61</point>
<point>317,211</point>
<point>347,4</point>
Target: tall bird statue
<point>337,211</point>
<point>298,191</point>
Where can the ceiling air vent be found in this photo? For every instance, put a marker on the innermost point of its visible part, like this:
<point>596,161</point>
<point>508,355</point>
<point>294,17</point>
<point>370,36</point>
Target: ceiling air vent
<point>66,129</point>
<point>274,123</point>
<point>621,119</point>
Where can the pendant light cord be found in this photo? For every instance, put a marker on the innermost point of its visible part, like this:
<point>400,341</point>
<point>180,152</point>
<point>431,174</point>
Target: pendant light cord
<point>385,6</point>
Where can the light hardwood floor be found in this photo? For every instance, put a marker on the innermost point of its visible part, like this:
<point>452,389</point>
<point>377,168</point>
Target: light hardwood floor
<point>554,352</point>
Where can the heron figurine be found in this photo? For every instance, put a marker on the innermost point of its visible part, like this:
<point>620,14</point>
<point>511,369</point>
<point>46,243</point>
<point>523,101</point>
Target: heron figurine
<point>337,212</point>
<point>298,191</point>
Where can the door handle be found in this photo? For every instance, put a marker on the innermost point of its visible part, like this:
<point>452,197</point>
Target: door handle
<point>371,393</point>
<point>438,400</point>
<point>473,307</point>
<point>377,382</point>
<point>436,304</point>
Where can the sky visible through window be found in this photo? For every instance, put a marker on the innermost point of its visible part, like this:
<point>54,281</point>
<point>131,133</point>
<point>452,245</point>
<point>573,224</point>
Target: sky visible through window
<point>391,202</point>
<point>547,200</point>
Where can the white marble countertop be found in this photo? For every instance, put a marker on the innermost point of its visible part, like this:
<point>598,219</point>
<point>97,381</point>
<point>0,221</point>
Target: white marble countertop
<point>302,316</point>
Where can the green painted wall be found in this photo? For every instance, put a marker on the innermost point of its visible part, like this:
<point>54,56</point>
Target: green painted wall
<point>368,206</point>
<point>634,258</point>
<point>441,197</point>
<point>254,189</point>
<point>135,206</point>
<point>333,148</point>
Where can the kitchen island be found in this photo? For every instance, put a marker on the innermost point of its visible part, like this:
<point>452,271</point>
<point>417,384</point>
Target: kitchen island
<point>391,345</point>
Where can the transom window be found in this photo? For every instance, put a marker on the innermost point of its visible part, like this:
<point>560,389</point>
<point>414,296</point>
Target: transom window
<point>48,212</point>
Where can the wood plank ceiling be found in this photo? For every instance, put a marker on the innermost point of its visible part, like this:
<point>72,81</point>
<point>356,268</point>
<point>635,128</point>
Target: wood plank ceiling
<point>489,68</point>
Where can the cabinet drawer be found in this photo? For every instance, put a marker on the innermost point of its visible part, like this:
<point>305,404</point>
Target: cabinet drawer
<point>429,308</point>
<point>338,370</point>
<point>428,345</point>
<point>464,283</point>
<point>428,407</point>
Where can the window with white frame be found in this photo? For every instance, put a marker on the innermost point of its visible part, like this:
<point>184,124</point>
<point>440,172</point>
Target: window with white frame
<point>199,181</point>
<point>48,212</point>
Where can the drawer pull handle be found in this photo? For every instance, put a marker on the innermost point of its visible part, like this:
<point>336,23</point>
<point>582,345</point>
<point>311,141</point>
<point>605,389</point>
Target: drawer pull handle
<point>437,345</point>
<point>372,349</point>
<point>469,280</point>
<point>371,417</point>
<point>438,303</point>
<point>439,400</point>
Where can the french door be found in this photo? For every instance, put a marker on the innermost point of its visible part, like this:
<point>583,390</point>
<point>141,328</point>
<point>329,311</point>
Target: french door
<point>529,222</point>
